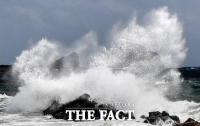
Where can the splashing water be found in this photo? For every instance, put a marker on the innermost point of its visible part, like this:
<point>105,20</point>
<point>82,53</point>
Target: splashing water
<point>133,69</point>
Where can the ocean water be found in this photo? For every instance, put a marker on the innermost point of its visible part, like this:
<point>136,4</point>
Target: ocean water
<point>134,67</point>
<point>191,89</point>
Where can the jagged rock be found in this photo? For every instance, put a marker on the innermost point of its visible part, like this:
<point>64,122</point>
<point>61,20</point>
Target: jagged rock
<point>67,62</point>
<point>82,101</point>
<point>164,113</point>
<point>58,110</point>
<point>175,118</point>
<point>189,122</point>
<point>55,106</point>
<point>158,117</point>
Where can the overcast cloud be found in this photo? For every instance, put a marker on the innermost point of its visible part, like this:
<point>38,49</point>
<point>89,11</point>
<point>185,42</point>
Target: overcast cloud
<point>66,21</point>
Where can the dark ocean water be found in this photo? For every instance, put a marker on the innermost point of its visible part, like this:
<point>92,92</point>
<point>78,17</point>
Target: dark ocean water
<point>190,89</point>
<point>9,89</point>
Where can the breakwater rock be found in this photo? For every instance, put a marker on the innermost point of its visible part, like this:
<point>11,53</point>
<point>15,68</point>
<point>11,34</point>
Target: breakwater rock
<point>189,122</point>
<point>84,102</point>
<point>158,118</point>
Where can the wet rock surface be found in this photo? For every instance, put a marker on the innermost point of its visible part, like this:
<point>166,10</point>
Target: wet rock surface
<point>189,122</point>
<point>157,117</point>
<point>67,62</point>
<point>84,102</point>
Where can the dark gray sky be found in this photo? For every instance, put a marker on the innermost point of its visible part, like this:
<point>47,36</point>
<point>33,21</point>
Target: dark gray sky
<point>66,21</point>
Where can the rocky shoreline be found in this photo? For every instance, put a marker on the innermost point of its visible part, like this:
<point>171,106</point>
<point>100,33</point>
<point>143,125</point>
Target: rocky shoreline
<point>84,102</point>
<point>58,111</point>
<point>189,122</point>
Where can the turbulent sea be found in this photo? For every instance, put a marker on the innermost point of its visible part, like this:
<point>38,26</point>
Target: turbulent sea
<point>190,92</point>
<point>138,66</point>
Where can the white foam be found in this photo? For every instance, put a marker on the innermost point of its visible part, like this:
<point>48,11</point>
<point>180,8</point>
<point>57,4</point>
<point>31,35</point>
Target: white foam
<point>4,96</point>
<point>4,101</point>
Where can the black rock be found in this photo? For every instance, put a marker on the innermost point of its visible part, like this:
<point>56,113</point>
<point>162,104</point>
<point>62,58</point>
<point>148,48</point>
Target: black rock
<point>155,114</point>
<point>164,118</point>
<point>58,110</point>
<point>151,120</point>
<point>156,117</point>
<point>67,62</point>
<point>189,122</point>
<point>175,118</point>
<point>143,117</point>
<point>55,106</point>
<point>164,113</point>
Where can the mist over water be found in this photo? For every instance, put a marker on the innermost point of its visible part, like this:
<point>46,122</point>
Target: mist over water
<point>132,69</point>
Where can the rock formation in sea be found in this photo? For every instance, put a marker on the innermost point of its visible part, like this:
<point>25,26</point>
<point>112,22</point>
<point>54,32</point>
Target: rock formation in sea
<point>189,122</point>
<point>67,62</point>
<point>84,102</point>
<point>66,65</point>
<point>157,118</point>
